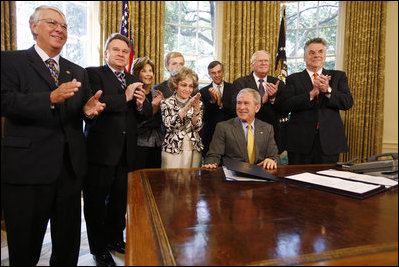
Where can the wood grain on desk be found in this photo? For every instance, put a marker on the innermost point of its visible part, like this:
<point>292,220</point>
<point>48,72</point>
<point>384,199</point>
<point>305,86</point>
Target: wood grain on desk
<point>194,217</point>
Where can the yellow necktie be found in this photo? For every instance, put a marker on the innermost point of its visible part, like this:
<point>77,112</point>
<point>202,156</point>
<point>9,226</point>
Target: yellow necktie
<point>251,145</point>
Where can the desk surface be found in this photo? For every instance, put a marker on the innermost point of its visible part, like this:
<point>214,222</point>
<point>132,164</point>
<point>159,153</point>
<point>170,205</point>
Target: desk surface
<point>195,217</point>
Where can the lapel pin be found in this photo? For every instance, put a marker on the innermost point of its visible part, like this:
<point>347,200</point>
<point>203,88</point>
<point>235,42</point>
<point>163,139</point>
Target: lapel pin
<point>68,72</point>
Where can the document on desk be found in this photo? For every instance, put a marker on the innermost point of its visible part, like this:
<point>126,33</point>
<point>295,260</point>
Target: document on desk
<point>237,177</point>
<point>336,185</point>
<point>379,180</point>
<point>246,170</point>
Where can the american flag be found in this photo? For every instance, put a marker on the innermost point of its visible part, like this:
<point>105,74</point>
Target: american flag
<point>126,30</point>
<point>281,55</point>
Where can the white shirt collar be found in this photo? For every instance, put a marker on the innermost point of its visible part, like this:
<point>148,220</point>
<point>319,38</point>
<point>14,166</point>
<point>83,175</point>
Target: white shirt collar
<point>43,55</point>
<point>257,79</point>
<point>311,73</point>
<point>214,85</point>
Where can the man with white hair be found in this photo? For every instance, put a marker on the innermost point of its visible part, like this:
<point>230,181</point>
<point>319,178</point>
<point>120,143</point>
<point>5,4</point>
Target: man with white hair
<point>44,99</point>
<point>268,87</point>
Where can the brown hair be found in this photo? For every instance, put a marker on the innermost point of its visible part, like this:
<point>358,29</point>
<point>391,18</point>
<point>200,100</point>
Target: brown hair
<point>139,64</point>
<point>181,73</point>
<point>214,64</point>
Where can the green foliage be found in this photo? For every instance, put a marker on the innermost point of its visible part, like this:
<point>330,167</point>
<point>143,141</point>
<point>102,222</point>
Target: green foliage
<point>306,20</point>
<point>195,37</point>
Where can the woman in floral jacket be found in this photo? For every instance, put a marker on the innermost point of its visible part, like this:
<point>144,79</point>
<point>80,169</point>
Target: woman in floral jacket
<point>182,118</point>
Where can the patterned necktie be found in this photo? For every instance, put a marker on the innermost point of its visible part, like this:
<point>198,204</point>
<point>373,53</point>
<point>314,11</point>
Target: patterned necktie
<point>121,78</point>
<point>53,70</point>
<point>261,88</point>
<point>251,145</point>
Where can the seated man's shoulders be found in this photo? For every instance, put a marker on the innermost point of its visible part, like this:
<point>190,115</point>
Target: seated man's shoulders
<point>262,123</point>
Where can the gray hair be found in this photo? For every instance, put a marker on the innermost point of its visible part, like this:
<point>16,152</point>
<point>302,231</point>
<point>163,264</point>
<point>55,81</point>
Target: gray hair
<point>257,52</point>
<point>35,17</point>
<point>255,94</point>
<point>315,41</point>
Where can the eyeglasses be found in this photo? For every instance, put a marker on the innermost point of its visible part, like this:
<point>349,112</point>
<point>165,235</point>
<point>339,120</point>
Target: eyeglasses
<point>53,24</point>
<point>262,61</point>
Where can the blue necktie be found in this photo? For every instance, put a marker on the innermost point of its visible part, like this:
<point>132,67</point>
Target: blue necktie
<point>53,70</point>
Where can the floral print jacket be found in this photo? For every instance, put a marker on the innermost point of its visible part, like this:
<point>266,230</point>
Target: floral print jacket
<point>176,128</point>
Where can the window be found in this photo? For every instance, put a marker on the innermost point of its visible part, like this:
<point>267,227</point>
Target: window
<point>190,30</point>
<point>78,48</point>
<point>306,20</point>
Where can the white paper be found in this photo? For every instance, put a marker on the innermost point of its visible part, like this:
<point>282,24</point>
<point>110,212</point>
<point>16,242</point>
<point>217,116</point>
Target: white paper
<point>232,176</point>
<point>361,177</point>
<point>332,182</point>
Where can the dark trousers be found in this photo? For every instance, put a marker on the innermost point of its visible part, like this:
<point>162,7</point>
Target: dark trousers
<point>105,196</point>
<point>316,155</point>
<point>27,210</point>
<point>148,157</point>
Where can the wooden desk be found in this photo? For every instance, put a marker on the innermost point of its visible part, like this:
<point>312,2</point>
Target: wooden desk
<point>194,217</point>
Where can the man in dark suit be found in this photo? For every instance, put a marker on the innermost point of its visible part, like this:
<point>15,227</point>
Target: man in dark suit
<point>44,99</point>
<point>217,99</point>
<point>111,147</point>
<point>314,97</point>
<point>232,138</point>
<point>173,60</point>
<point>268,87</point>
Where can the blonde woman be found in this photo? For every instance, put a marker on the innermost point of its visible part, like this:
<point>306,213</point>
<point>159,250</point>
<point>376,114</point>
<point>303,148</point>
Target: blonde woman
<point>182,118</point>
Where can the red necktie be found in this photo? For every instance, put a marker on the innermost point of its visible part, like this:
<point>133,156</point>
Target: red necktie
<point>314,80</point>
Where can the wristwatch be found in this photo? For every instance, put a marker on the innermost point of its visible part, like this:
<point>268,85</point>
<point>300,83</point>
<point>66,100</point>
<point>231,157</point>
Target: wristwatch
<point>329,90</point>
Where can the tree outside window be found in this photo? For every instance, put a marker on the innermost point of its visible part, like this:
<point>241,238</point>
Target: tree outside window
<point>306,20</point>
<point>76,48</point>
<point>190,30</point>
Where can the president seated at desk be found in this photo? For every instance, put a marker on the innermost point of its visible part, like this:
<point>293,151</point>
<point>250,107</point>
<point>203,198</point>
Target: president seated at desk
<point>244,138</point>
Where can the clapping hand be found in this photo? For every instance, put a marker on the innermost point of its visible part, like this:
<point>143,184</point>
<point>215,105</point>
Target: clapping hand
<point>156,101</point>
<point>272,89</point>
<point>322,82</point>
<point>94,107</point>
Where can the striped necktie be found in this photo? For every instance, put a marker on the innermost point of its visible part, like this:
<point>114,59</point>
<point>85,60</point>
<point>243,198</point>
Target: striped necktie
<point>53,70</point>
<point>121,78</point>
<point>251,145</point>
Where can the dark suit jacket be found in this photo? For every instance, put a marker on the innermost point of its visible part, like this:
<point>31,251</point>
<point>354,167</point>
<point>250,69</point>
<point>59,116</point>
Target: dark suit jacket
<point>305,113</point>
<point>213,114</point>
<point>229,141</point>
<point>34,134</point>
<point>268,112</point>
<point>116,127</point>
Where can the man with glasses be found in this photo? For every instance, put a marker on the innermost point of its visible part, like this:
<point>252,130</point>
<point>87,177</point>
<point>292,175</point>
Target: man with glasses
<point>44,99</point>
<point>268,87</point>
